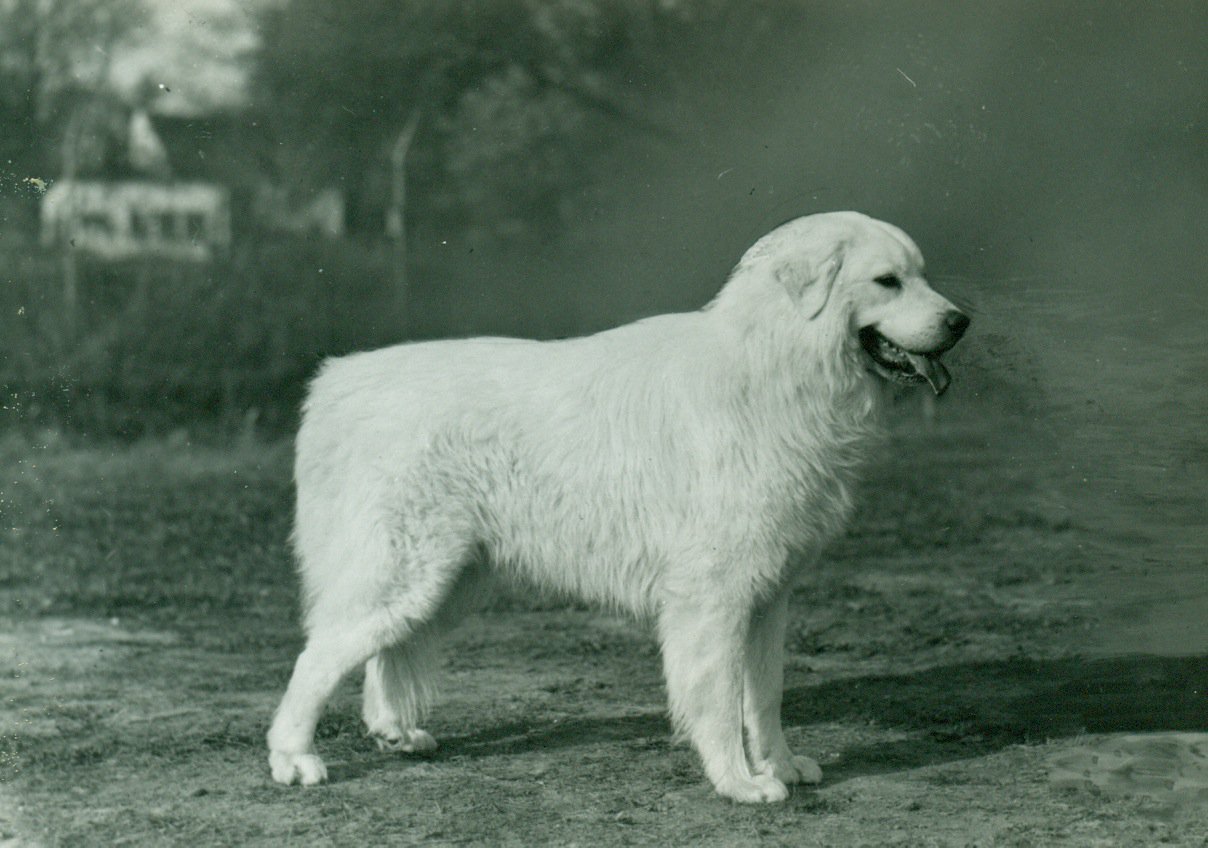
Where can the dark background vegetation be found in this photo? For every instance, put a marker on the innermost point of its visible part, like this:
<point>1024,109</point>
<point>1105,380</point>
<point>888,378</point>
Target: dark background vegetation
<point>579,164</point>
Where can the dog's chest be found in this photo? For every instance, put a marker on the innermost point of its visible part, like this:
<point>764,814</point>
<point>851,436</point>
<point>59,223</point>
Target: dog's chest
<point>816,507</point>
<point>810,491</point>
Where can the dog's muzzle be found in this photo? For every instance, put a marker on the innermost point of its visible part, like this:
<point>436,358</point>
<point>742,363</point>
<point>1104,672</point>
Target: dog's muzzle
<point>895,363</point>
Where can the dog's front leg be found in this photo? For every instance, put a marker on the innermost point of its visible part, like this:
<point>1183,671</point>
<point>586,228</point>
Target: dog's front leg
<point>764,689</point>
<point>703,644</point>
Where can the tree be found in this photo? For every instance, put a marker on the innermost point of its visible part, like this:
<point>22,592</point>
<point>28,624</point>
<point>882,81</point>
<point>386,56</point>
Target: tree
<point>54,60</point>
<point>514,93</point>
<point>51,53</point>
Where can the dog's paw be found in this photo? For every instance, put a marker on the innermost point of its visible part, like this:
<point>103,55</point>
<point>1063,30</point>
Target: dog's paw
<point>757,789</point>
<point>288,768</point>
<point>792,769</point>
<point>405,741</point>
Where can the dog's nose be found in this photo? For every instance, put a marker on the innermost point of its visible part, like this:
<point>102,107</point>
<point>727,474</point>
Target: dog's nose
<point>956,322</point>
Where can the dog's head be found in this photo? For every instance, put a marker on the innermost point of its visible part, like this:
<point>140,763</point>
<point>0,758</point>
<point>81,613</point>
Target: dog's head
<point>863,278</point>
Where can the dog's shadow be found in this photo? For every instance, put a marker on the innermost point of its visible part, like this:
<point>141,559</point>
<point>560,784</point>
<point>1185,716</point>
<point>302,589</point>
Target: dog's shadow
<point>962,711</point>
<point>970,710</point>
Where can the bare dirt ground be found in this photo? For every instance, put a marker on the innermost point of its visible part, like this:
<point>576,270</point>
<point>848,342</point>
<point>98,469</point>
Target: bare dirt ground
<point>938,669</point>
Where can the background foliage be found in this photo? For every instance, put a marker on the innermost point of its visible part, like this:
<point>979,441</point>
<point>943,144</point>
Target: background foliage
<point>579,164</point>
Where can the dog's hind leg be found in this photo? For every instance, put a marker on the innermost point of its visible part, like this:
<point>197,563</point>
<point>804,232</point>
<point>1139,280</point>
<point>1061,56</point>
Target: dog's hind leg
<point>764,690</point>
<point>346,629</point>
<point>703,648</point>
<point>329,655</point>
<point>398,689</point>
<point>399,683</point>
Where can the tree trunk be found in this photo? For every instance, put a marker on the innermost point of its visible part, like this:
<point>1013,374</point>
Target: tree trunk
<point>71,273</point>
<point>396,221</point>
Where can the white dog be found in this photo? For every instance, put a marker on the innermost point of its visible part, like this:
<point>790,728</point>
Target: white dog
<point>680,468</point>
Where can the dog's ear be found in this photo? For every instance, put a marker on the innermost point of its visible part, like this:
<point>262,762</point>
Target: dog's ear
<point>809,280</point>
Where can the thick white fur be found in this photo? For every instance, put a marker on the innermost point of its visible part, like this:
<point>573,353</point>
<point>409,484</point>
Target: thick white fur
<point>678,468</point>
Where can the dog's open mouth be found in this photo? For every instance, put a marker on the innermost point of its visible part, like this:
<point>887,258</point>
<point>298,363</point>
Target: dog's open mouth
<point>902,366</point>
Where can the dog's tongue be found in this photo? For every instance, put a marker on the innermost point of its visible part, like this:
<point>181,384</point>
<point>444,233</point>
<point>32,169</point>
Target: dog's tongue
<point>931,368</point>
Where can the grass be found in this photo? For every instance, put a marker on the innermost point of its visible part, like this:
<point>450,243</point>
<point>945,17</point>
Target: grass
<point>149,605</point>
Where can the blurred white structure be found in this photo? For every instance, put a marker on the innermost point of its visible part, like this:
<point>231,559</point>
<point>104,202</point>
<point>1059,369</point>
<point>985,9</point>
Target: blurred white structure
<point>119,220</point>
<point>144,149</point>
<point>321,214</point>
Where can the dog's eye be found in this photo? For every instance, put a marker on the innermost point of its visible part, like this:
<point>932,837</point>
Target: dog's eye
<point>890,281</point>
